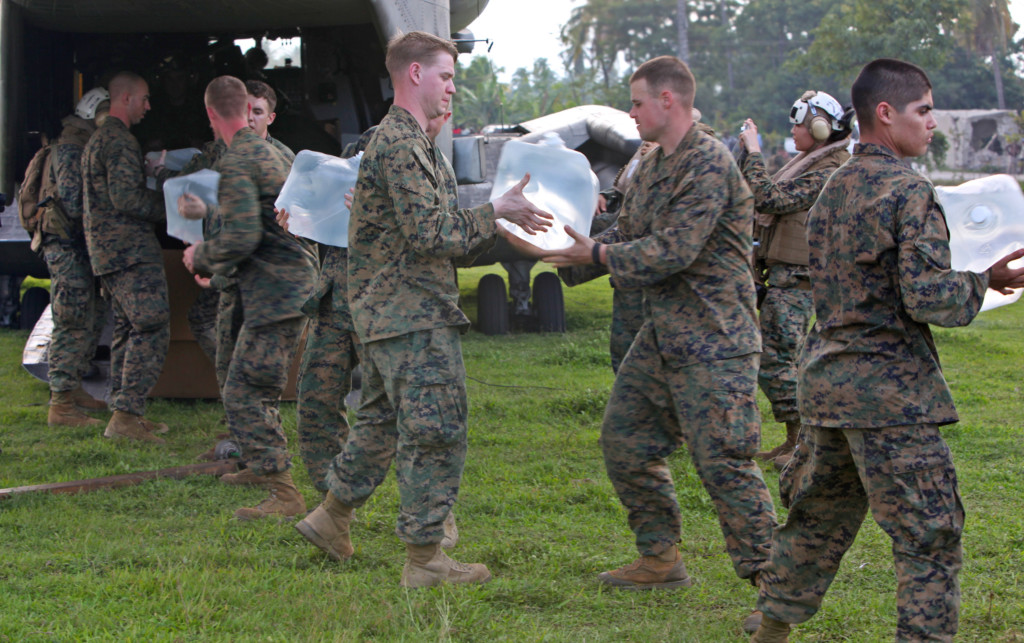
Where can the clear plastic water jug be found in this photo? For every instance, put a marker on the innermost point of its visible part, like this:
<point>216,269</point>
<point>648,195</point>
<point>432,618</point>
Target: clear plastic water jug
<point>314,196</point>
<point>561,183</point>
<point>986,222</point>
<point>202,184</point>
<point>175,160</point>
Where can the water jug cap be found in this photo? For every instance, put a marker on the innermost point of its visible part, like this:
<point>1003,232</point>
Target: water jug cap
<point>552,139</point>
<point>980,215</point>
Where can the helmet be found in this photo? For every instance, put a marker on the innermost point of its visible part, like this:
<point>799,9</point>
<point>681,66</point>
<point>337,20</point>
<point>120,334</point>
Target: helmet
<point>819,112</point>
<point>86,107</point>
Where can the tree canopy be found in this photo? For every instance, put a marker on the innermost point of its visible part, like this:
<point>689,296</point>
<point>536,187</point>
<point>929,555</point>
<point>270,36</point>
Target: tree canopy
<point>753,58</point>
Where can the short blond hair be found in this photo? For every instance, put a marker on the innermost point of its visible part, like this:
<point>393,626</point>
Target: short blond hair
<point>415,47</point>
<point>227,96</point>
<point>668,72</point>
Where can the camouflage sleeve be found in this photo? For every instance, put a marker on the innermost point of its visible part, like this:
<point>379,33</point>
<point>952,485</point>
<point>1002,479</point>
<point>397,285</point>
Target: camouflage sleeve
<point>428,224</point>
<point>202,161</point>
<point>785,196</point>
<point>68,166</point>
<point>241,225</point>
<point>932,292</point>
<point>682,229</point>
<point>577,275</point>
<point>127,186</point>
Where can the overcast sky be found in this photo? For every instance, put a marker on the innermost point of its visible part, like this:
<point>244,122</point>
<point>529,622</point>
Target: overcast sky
<point>524,30</point>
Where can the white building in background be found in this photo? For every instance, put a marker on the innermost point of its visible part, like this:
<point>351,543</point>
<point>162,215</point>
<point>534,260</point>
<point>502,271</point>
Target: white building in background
<point>980,140</point>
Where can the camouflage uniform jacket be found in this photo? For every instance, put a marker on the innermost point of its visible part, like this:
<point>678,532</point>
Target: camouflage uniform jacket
<point>67,169</point>
<point>404,232</point>
<point>284,149</point>
<point>683,235</point>
<point>880,274</point>
<point>209,154</point>
<point>275,271</point>
<point>119,210</point>
<point>791,198</point>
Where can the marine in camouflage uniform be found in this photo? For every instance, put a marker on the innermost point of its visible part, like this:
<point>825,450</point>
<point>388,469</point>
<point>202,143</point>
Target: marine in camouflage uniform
<point>404,232</point>
<point>202,314</point>
<point>872,396</point>
<point>782,202</point>
<point>120,214</point>
<point>325,375</point>
<point>229,305</point>
<point>330,355</point>
<point>683,236</point>
<point>79,313</point>
<point>627,305</point>
<point>272,271</point>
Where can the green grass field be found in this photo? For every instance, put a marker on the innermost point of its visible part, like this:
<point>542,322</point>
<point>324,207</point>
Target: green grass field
<point>165,561</point>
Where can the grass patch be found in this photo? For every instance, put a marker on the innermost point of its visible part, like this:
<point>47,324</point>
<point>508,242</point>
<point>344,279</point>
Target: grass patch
<point>164,560</point>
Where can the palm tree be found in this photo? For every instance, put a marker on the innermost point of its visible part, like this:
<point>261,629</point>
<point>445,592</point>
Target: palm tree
<point>988,26</point>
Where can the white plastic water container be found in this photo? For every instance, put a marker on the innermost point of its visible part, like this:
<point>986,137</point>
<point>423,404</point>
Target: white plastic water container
<point>986,222</point>
<point>314,196</point>
<point>203,184</point>
<point>175,160</point>
<point>561,183</point>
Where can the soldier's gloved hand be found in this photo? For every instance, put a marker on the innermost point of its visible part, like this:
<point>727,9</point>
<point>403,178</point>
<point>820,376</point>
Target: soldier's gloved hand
<point>191,207</point>
<point>516,208</point>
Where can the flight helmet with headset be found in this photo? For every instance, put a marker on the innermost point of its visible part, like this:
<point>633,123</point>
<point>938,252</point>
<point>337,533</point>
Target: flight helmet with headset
<point>819,113</point>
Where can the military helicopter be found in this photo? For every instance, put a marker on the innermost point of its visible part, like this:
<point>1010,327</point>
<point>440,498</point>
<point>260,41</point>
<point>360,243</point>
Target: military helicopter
<point>331,88</point>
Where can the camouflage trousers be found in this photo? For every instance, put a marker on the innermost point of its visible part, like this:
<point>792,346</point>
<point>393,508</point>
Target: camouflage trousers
<point>785,317</point>
<point>325,378</point>
<point>78,312</point>
<point>654,409</point>
<point>905,476</point>
<point>202,321</point>
<point>228,325</point>
<point>142,333</point>
<point>257,374</point>
<point>627,318</point>
<point>413,410</point>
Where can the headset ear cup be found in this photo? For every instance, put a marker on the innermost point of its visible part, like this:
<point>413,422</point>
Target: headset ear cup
<point>820,129</point>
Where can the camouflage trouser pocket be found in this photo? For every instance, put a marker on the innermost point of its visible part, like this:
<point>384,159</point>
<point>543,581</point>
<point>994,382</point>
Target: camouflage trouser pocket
<point>924,503</point>
<point>432,416</point>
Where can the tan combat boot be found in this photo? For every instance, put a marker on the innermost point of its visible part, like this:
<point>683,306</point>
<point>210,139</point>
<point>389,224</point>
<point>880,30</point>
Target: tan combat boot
<point>451,532</point>
<point>428,565</point>
<point>284,499</point>
<point>126,425</point>
<point>753,621</point>
<point>245,477</point>
<point>64,412</point>
<point>154,427</point>
<point>327,527</point>
<point>786,448</point>
<point>771,631</point>
<point>87,402</point>
<point>664,571</point>
<point>792,437</point>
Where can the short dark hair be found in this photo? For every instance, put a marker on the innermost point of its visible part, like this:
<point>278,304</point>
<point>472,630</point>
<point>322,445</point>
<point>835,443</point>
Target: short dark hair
<point>260,89</point>
<point>668,72</point>
<point>415,46</point>
<point>123,82</point>
<point>887,80</point>
<point>226,95</point>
